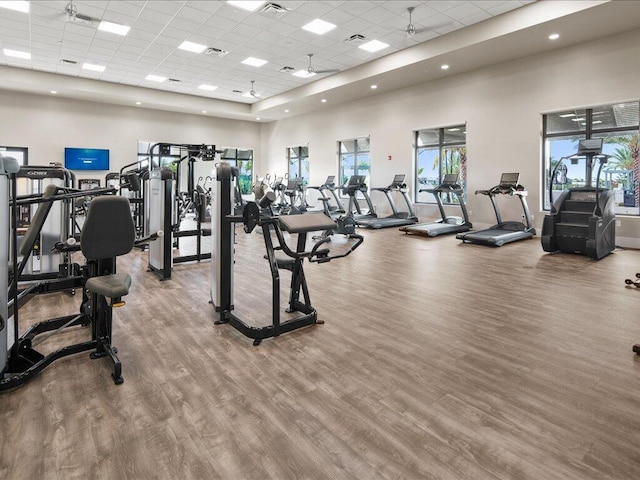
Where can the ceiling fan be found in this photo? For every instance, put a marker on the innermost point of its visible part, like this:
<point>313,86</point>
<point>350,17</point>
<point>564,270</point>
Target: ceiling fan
<point>311,70</point>
<point>252,92</point>
<point>72,15</point>
<point>410,30</point>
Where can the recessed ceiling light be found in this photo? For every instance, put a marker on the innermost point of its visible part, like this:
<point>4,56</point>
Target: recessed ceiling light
<point>373,46</point>
<point>373,87</point>
<point>567,115</point>
<point>250,6</point>
<point>319,27</point>
<point>192,47</point>
<point>54,92</point>
<point>204,111</point>
<point>17,54</point>
<point>17,6</point>
<point>324,100</point>
<point>114,28</point>
<point>444,67</point>
<point>155,78</point>
<point>453,129</point>
<point>303,74</point>
<point>578,119</point>
<point>286,111</point>
<point>596,121</point>
<point>554,36</point>
<point>138,103</point>
<point>93,67</point>
<point>208,88</point>
<point>254,62</point>
<point>257,118</point>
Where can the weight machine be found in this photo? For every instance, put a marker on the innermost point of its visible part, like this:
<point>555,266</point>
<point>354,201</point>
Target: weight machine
<point>259,214</point>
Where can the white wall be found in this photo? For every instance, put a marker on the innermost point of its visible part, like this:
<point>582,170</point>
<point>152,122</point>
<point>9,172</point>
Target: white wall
<point>501,105</point>
<point>48,124</point>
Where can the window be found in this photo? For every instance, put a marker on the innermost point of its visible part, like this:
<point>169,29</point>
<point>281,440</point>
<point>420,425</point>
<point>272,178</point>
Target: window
<point>617,124</point>
<point>440,151</point>
<point>243,160</point>
<point>355,158</point>
<point>21,154</point>
<point>299,163</point>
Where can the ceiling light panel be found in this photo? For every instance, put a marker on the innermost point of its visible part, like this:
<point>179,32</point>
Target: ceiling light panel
<point>114,28</point>
<point>303,74</point>
<point>192,47</point>
<point>208,88</point>
<point>249,6</point>
<point>93,67</point>
<point>17,6</point>
<point>319,27</point>
<point>254,62</point>
<point>373,46</point>
<point>155,78</point>
<point>17,54</point>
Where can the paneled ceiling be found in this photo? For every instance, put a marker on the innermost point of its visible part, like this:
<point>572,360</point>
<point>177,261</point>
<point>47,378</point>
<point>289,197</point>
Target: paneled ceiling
<point>62,42</point>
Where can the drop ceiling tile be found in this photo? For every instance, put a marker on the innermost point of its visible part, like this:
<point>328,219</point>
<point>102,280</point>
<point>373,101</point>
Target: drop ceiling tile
<point>378,15</point>
<point>475,18</point>
<point>297,20</point>
<point>314,9</point>
<point>505,7</point>
<point>206,6</point>
<point>154,16</point>
<point>358,8</point>
<point>463,10</point>
<point>147,26</point>
<point>443,5</point>
<point>355,25</point>
<point>260,21</point>
<point>165,7</point>
<point>486,4</point>
<point>232,13</point>
<point>123,8</point>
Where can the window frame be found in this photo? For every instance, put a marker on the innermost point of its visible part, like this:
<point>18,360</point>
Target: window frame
<point>235,162</point>
<point>587,132</point>
<point>300,159</point>
<point>355,153</point>
<point>441,145</point>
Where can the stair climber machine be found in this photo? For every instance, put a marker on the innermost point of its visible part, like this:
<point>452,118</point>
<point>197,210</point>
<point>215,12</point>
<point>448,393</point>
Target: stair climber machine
<point>446,224</point>
<point>503,232</point>
<point>396,219</point>
<point>260,214</point>
<point>582,220</point>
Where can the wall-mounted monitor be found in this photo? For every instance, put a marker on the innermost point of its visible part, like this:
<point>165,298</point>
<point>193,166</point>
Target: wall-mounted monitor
<point>86,159</point>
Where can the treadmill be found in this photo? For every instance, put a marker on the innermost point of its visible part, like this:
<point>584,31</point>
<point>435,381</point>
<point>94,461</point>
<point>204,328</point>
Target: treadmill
<point>396,219</point>
<point>332,211</point>
<point>357,184</point>
<point>503,232</point>
<point>445,225</point>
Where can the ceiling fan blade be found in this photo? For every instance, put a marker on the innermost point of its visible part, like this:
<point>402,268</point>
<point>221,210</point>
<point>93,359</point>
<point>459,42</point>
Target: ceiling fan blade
<point>326,71</point>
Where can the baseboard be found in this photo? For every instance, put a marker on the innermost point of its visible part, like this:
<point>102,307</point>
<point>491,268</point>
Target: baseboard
<point>627,242</point>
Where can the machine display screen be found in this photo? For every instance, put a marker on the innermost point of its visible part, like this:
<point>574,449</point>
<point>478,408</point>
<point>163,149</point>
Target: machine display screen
<point>86,159</point>
<point>450,178</point>
<point>590,146</point>
<point>509,179</point>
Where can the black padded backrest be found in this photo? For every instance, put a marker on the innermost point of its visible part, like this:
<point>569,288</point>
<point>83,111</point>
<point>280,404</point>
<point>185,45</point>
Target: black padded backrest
<point>37,222</point>
<point>108,230</point>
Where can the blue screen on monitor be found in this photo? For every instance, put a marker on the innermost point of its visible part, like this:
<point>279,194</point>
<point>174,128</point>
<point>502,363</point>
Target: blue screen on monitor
<point>86,159</point>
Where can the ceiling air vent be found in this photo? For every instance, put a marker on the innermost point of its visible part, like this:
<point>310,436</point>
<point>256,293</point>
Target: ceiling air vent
<point>173,80</point>
<point>286,69</point>
<point>274,9</point>
<point>357,38</point>
<point>68,62</point>
<point>239,92</point>
<point>216,52</point>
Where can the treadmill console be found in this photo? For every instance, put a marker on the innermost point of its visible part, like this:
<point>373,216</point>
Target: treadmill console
<point>330,181</point>
<point>356,182</point>
<point>510,179</point>
<point>450,179</point>
<point>589,146</point>
<point>398,181</point>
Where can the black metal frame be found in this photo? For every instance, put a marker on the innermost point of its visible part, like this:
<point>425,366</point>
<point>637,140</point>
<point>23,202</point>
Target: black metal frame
<point>24,362</point>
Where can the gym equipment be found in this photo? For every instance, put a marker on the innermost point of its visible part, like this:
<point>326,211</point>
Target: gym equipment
<point>446,224</point>
<point>634,283</point>
<point>108,232</point>
<point>581,220</point>
<point>259,214</point>
<point>503,232</point>
<point>396,219</point>
<point>8,166</point>
<point>333,211</point>
<point>32,181</point>
<point>162,216</point>
<point>357,184</point>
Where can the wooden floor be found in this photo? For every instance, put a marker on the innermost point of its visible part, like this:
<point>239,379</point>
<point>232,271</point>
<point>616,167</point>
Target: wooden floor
<point>437,360</point>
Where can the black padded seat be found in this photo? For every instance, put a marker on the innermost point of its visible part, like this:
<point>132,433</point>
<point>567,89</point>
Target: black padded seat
<point>306,223</point>
<point>112,286</point>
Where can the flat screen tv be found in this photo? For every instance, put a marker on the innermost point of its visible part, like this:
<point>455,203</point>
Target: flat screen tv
<point>86,159</point>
